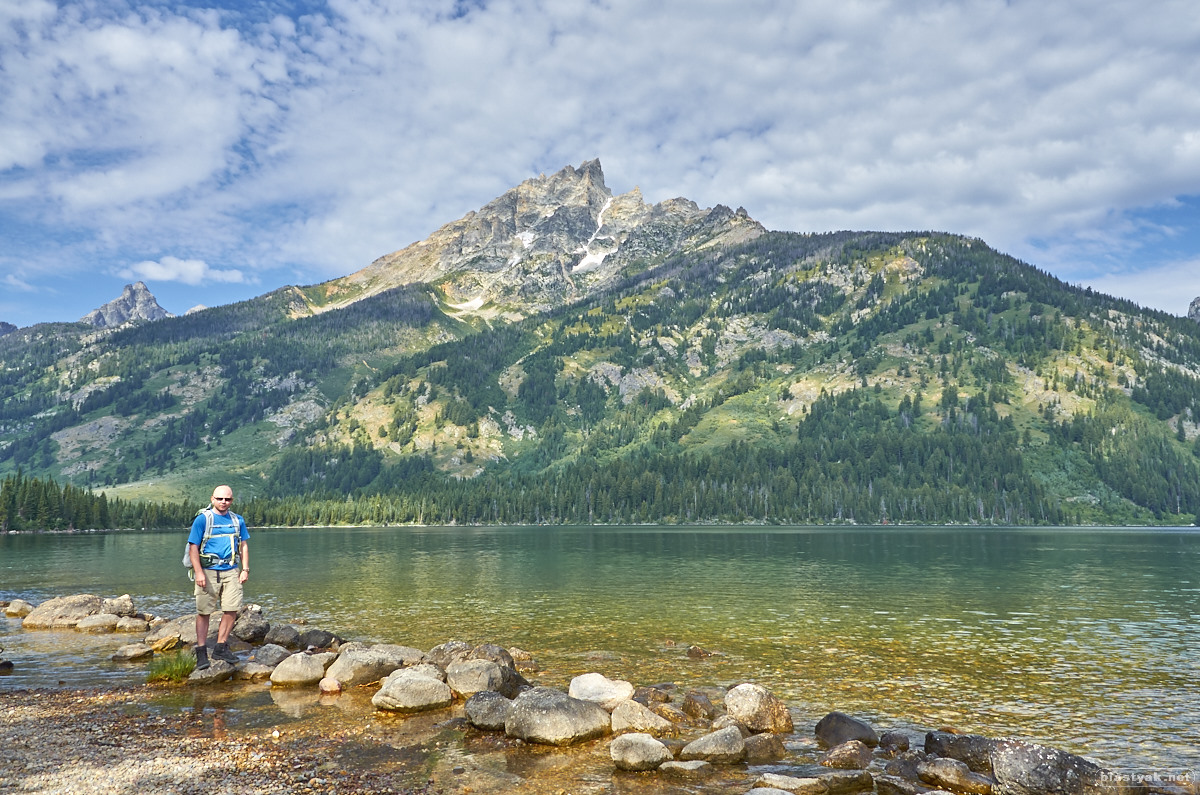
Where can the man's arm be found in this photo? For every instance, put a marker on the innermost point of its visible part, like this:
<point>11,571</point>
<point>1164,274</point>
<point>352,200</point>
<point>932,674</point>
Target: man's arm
<point>194,555</point>
<point>245,554</point>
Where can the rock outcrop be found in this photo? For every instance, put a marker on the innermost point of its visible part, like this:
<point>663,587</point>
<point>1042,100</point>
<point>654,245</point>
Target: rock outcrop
<point>136,303</point>
<point>1194,309</point>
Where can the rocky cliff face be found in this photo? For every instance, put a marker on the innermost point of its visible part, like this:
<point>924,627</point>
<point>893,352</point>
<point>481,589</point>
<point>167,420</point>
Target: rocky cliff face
<point>136,303</point>
<point>550,239</point>
<point>6,328</point>
<point>1194,310</point>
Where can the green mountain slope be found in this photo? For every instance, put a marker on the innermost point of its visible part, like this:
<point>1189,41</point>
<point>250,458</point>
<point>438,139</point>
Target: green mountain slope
<point>777,377</point>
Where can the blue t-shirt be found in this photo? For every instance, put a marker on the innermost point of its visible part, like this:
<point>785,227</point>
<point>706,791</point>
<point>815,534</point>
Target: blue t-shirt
<point>228,531</point>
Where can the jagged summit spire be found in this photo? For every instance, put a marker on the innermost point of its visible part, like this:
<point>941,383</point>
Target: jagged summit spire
<point>136,303</point>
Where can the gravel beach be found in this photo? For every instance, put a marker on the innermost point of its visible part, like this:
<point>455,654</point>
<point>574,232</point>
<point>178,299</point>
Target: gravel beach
<point>106,741</point>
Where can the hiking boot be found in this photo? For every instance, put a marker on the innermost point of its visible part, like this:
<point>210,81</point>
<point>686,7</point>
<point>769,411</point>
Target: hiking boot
<point>222,652</point>
<point>201,658</point>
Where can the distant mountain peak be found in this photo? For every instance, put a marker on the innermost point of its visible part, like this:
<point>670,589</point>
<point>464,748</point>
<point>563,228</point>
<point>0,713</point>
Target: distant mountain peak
<point>136,303</point>
<point>1194,310</point>
<point>549,240</point>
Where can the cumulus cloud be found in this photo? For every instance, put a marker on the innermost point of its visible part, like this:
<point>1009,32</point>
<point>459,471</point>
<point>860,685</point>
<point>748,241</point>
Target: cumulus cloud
<point>309,144</point>
<point>187,271</point>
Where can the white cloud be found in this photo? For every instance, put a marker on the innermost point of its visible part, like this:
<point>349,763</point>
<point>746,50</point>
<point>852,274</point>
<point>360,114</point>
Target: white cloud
<point>1170,287</point>
<point>187,271</point>
<point>311,145</point>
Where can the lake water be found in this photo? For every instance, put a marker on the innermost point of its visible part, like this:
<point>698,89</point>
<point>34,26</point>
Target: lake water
<point>1087,639</point>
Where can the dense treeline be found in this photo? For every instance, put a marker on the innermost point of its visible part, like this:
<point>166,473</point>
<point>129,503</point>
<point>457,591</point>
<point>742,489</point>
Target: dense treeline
<point>41,504</point>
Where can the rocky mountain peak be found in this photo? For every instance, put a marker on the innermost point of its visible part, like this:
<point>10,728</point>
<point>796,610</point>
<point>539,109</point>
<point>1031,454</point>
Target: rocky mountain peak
<point>136,303</point>
<point>1194,310</point>
<point>547,241</point>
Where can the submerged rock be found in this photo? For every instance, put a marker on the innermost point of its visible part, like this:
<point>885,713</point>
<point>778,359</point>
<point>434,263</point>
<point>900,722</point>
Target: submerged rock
<point>637,751</point>
<point>551,717</point>
<point>838,727</point>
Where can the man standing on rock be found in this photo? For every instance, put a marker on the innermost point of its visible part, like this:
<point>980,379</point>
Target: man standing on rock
<point>221,561</point>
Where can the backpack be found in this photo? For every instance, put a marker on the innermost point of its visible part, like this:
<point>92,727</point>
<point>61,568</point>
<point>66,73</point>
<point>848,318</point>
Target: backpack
<point>207,558</point>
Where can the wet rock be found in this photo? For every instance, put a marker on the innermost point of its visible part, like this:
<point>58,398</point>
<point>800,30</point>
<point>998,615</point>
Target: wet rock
<point>599,689</point>
<point>905,764</point>
<point>764,748</point>
<point>633,716</point>
<point>469,677</point>
<point>421,669</point>
<point>791,784</point>
<point>18,608</point>
<point>691,770</point>
<point>451,651</point>
<point>488,710</point>
<point>411,690</point>
<point>284,635</point>
<point>838,727</point>
<point>850,755</point>
<point>973,749</point>
<point>651,695</point>
<point>669,712</point>
<point>319,639</point>
<point>62,612</point>
<point>522,660</point>
<point>947,773</point>
<point>119,606</point>
<point>637,751</point>
<point>358,663</point>
<point>767,791</point>
<point>895,785</point>
<point>758,709</point>
<point>723,747</point>
<point>495,653</point>
<point>551,717</point>
<point>250,625</point>
<point>893,743</point>
<point>844,782</point>
<point>270,655</point>
<point>217,671</point>
<point>300,669</point>
<point>99,624</point>
<point>697,705</point>
<point>132,651</point>
<point>329,686</point>
<point>253,672</point>
<point>132,624</point>
<point>1028,769</point>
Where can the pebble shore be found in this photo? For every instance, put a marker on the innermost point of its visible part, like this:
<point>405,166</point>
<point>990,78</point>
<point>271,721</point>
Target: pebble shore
<point>103,741</point>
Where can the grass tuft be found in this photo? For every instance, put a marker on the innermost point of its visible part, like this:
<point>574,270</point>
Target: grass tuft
<point>174,667</point>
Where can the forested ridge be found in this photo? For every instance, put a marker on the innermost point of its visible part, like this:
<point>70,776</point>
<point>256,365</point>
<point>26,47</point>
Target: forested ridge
<point>847,377</point>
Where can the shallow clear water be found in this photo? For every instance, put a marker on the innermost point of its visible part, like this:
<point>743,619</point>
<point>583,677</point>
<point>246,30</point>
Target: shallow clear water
<point>1084,639</point>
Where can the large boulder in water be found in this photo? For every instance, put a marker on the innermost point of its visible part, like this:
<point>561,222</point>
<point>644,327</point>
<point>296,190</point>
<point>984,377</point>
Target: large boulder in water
<point>63,611</point>
<point>1027,769</point>
<point>358,663</point>
<point>551,717</point>
<point>302,669</point>
<point>412,690</point>
<point>838,727</point>
<point>973,749</point>
<point>758,709</point>
<point>638,752</point>
<point>599,689</point>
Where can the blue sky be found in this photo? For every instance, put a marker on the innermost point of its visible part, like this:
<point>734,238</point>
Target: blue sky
<point>217,151</point>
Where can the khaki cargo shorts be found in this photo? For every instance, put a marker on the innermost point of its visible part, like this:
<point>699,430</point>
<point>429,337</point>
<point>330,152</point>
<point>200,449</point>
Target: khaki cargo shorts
<point>222,592</point>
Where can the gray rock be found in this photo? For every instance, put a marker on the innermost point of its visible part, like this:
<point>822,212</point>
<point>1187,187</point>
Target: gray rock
<point>488,710</point>
<point>270,655</point>
<point>136,303</point>
<point>973,749</point>
<point>844,782</point>
<point>850,755</point>
<point>725,721</point>
<point>633,716</point>
<point>451,651</point>
<point>285,635</point>
<point>895,785</point>
<point>250,625</point>
<point>421,669</point>
<point>656,694</point>
<point>62,611</point>
<point>947,773</point>
<point>551,717</point>
<point>119,606</point>
<point>469,677</point>
<point>18,608</point>
<point>318,639</point>
<point>217,671</point>
<point>838,727</point>
<point>132,624</point>
<point>637,751</point>
<point>697,705</point>
<point>893,743</point>
<point>767,791</point>
<point>764,748</point>
<point>692,770</point>
<point>133,651</point>
<point>253,672</point>
<point>497,654</point>
<point>905,764</point>
<point>358,663</point>
<point>100,623</point>
<point>302,669</point>
<point>791,784</point>
<point>758,709</point>
<point>1028,769</point>
<point>599,689</point>
<point>724,747</point>
<point>409,690</point>
<point>1194,310</point>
